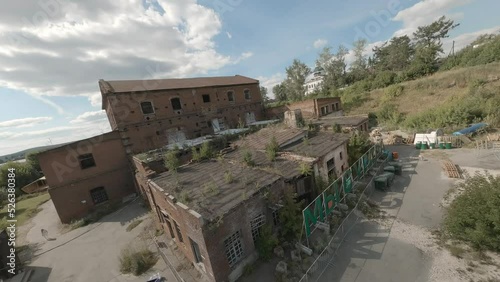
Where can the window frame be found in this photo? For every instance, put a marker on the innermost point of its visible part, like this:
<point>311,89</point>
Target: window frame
<point>85,157</point>
<point>256,226</point>
<point>172,103</point>
<point>203,96</point>
<point>178,231</point>
<point>152,108</point>
<point>232,100</point>
<point>233,248</point>
<point>245,92</point>
<point>98,193</point>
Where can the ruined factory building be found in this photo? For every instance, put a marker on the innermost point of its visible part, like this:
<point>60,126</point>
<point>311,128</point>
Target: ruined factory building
<point>214,210</point>
<point>88,174</point>
<point>350,123</point>
<point>152,113</point>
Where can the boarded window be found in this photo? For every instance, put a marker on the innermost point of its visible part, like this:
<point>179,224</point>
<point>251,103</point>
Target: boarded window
<point>206,98</point>
<point>147,108</point>
<point>86,161</point>
<point>230,96</point>
<point>98,195</point>
<point>176,104</point>
<point>234,249</point>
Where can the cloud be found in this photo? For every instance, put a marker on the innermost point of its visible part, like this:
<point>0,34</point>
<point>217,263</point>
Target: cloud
<point>270,82</point>
<point>75,43</point>
<point>425,12</point>
<point>89,116</point>
<point>229,35</point>
<point>320,43</point>
<point>24,122</point>
<point>243,56</point>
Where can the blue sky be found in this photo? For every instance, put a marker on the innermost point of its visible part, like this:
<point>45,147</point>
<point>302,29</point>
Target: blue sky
<point>53,55</point>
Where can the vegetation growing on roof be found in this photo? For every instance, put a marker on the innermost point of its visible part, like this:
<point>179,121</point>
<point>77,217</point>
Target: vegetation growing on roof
<point>272,149</point>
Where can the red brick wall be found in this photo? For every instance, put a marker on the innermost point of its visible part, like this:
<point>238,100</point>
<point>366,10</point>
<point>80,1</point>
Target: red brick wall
<point>149,132</point>
<point>69,184</point>
<point>311,109</point>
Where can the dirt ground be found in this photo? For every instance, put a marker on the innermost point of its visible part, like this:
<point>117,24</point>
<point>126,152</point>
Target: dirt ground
<point>89,253</point>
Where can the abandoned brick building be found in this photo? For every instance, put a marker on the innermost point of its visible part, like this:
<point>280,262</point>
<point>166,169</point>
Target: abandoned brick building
<point>347,123</point>
<point>214,209</point>
<point>144,115</point>
<point>85,174</point>
<point>152,113</point>
<point>310,109</point>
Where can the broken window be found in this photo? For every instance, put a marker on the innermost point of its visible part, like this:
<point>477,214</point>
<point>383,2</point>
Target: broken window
<point>230,96</point>
<point>330,166</point>
<point>206,98</point>
<point>234,249</point>
<point>196,250</point>
<point>176,104</point>
<point>247,94</point>
<point>178,231</point>
<point>98,195</point>
<point>86,161</point>
<point>147,108</point>
<point>256,225</point>
<point>341,157</point>
<point>276,217</point>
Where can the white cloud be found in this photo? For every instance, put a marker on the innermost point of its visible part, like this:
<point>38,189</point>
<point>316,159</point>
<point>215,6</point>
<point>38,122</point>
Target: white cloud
<point>24,122</point>
<point>320,43</point>
<point>425,12</point>
<point>270,82</point>
<point>75,43</point>
<point>243,56</point>
<point>90,116</point>
<point>229,35</point>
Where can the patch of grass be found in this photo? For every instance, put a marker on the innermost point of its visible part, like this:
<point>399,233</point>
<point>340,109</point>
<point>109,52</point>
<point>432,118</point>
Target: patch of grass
<point>133,225</point>
<point>27,206</point>
<point>137,262</point>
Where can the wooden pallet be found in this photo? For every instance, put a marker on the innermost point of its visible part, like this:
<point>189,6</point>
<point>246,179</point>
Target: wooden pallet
<point>451,170</point>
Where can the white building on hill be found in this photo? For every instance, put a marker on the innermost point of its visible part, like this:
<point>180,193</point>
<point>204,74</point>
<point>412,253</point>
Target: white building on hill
<point>314,81</point>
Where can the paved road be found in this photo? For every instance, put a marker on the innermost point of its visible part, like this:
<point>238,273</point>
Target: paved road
<point>93,255</point>
<point>370,253</point>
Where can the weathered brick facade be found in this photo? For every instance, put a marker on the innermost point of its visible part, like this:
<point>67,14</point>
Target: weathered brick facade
<point>180,108</point>
<point>71,183</point>
<point>311,109</point>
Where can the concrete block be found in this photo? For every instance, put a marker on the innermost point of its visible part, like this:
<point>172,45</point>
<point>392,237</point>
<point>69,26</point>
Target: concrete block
<point>282,267</point>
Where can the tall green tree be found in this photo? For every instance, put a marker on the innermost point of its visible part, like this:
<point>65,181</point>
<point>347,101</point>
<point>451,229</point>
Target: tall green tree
<point>25,174</point>
<point>429,46</point>
<point>289,215</point>
<point>32,159</point>
<point>296,75</point>
<point>359,65</point>
<point>394,55</point>
<point>334,67</point>
<point>279,91</point>
<point>263,93</point>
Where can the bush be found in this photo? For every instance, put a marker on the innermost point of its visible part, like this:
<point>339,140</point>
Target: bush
<point>384,79</point>
<point>474,215</point>
<point>266,243</point>
<point>137,262</point>
<point>394,91</point>
<point>248,159</point>
<point>172,161</point>
<point>272,149</point>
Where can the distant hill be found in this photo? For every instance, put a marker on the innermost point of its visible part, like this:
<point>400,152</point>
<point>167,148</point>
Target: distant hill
<point>21,154</point>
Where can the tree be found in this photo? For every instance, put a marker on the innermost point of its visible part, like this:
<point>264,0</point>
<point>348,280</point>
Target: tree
<point>358,145</point>
<point>279,91</point>
<point>394,55</point>
<point>32,159</point>
<point>263,93</point>
<point>428,45</point>
<point>290,214</point>
<point>172,161</point>
<point>296,75</point>
<point>359,65</point>
<point>334,67</point>
<point>25,174</point>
